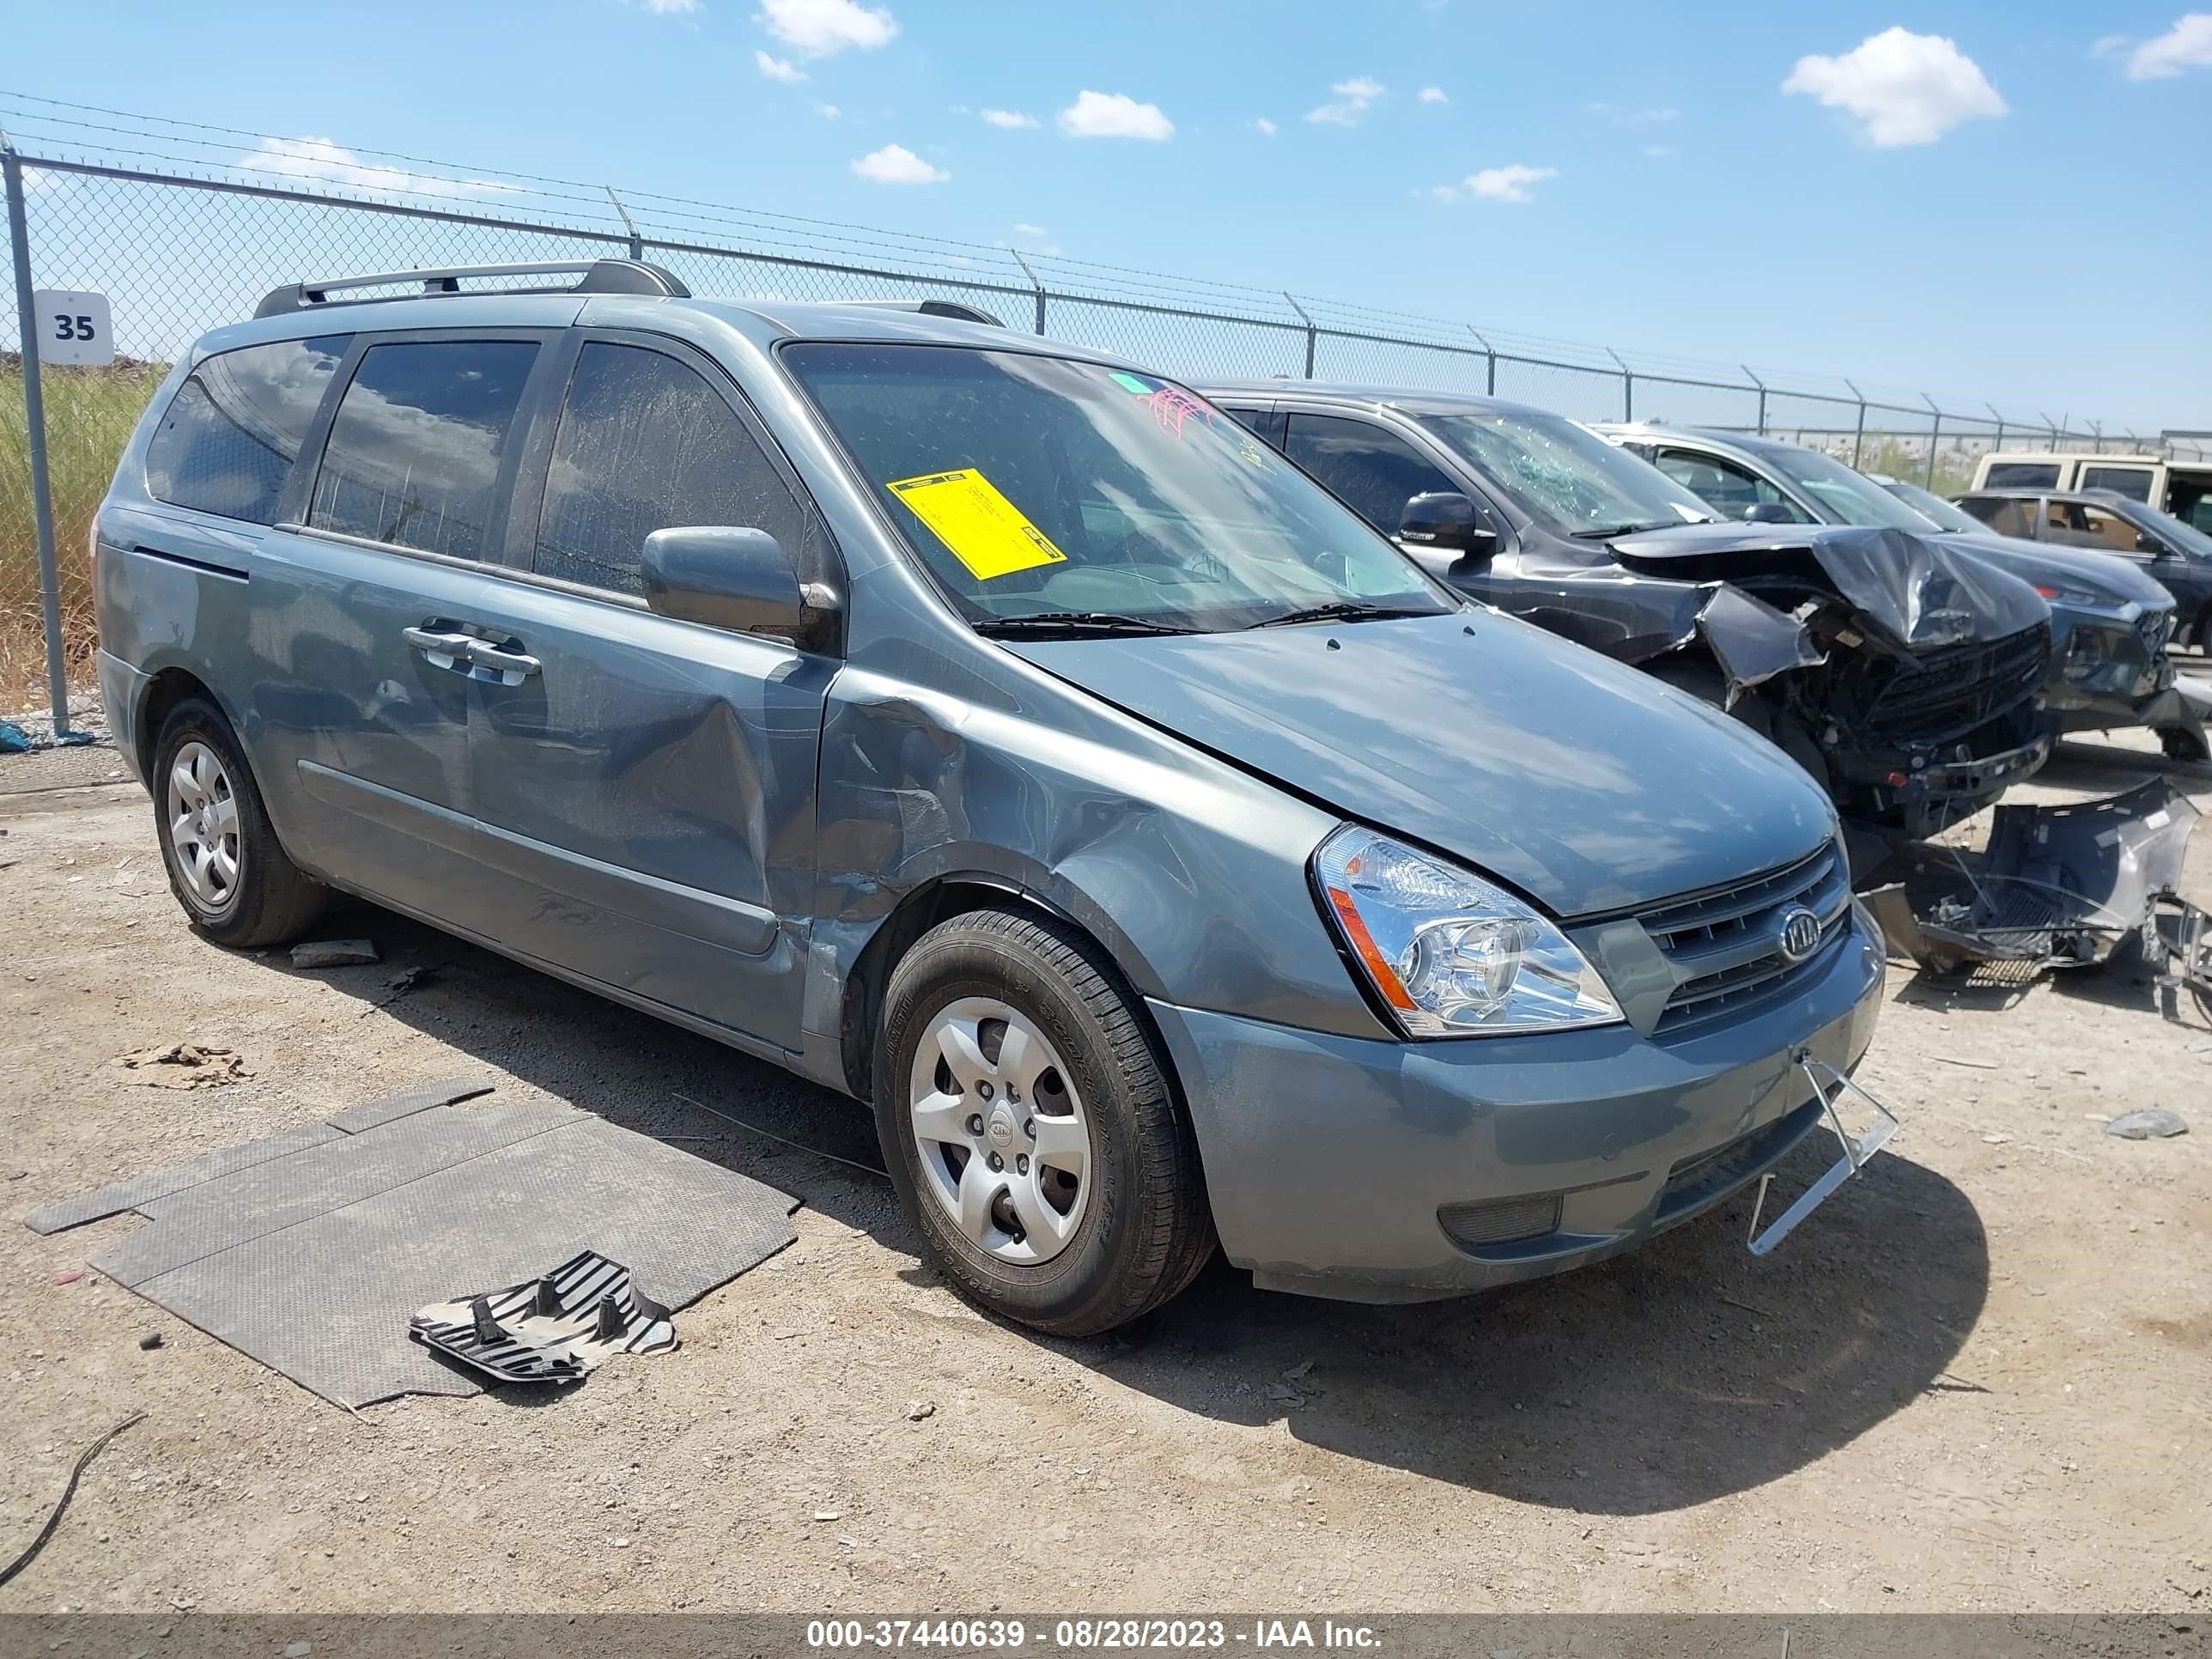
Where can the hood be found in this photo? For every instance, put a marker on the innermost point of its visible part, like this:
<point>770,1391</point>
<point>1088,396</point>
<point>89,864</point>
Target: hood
<point>1915,593</point>
<point>1585,783</point>
<point>2113,578</point>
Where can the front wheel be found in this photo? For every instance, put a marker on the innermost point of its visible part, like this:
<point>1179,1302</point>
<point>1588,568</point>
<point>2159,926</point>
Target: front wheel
<point>1029,1128</point>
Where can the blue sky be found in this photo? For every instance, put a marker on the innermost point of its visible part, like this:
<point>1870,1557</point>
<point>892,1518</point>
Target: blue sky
<point>2017,214</point>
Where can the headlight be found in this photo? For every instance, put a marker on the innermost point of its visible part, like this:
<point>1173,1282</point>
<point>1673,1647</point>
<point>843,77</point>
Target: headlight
<point>2075,596</point>
<point>1451,954</point>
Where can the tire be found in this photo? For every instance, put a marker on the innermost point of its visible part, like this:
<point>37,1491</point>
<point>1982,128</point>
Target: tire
<point>1071,1243</point>
<point>2183,743</point>
<point>225,866</point>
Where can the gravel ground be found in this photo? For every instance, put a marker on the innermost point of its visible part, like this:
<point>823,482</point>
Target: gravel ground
<point>1974,1381</point>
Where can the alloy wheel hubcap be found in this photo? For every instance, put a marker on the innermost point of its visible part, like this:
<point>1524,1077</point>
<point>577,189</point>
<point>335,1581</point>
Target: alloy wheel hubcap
<point>203,816</point>
<point>1005,1144</point>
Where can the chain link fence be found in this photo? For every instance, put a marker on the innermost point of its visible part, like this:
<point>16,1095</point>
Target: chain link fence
<point>183,233</point>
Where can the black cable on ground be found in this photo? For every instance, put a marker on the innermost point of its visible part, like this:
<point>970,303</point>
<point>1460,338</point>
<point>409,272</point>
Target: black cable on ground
<point>67,1492</point>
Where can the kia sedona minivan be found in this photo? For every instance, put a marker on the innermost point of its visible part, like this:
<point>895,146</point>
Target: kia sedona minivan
<point>990,730</point>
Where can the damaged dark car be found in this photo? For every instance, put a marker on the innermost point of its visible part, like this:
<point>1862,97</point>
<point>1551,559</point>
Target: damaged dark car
<point>1904,674</point>
<point>2111,622</point>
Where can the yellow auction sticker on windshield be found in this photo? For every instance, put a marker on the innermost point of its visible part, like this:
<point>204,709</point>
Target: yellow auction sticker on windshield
<point>986,532</point>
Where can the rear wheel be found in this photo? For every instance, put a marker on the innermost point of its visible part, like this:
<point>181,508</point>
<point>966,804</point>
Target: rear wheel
<point>1029,1128</point>
<point>224,864</point>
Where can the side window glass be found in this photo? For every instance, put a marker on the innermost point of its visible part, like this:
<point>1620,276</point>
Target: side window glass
<point>414,452</point>
<point>2008,515</point>
<point>1726,488</point>
<point>2023,475</point>
<point>1377,471</point>
<point>2108,532</point>
<point>645,443</point>
<point>1268,424</point>
<point>2133,482</point>
<point>227,442</point>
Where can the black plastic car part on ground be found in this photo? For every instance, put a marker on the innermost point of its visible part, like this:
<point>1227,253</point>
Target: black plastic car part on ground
<point>1904,674</point>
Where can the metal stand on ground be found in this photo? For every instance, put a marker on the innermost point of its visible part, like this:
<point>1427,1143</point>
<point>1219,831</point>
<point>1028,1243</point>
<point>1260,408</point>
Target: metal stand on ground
<point>34,413</point>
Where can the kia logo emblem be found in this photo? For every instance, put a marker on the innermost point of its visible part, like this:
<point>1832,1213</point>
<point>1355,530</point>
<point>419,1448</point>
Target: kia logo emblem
<point>1800,934</point>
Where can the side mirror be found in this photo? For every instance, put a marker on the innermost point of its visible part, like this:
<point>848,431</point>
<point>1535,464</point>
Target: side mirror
<point>1444,519</point>
<point>1766,512</point>
<point>739,579</point>
<point>2147,543</point>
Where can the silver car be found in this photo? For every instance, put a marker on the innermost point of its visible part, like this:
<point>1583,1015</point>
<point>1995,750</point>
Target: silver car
<point>991,730</point>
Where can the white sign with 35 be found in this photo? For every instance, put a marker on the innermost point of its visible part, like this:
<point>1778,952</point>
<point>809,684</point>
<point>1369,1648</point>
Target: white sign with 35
<point>73,327</point>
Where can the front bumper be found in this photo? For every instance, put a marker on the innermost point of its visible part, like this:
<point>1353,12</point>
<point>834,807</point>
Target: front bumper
<point>1333,1163</point>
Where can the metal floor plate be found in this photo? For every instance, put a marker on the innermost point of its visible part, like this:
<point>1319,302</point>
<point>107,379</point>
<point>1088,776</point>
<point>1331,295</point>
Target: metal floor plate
<point>314,1258</point>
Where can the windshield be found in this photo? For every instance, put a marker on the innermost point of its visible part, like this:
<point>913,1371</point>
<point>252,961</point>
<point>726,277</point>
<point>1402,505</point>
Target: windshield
<point>1038,488</point>
<point>2178,533</point>
<point>1847,497</point>
<point>1944,515</point>
<point>1566,476</point>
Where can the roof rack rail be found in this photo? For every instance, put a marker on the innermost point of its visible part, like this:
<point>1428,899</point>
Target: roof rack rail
<point>956,310</point>
<point>596,277</point>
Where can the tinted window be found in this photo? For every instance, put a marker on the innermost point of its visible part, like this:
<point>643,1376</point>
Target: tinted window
<point>1376,471</point>
<point>2023,475</point>
<point>414,452</point>
<point>2009,515</point>
<point>2132,482</point>
<point>228,441</point>
<point>1726,488</point>
<point>645,443</point>
<point>1268,424</point>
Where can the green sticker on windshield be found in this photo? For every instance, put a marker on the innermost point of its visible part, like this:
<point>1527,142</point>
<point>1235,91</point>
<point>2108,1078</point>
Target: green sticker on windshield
<point>1131,383</point>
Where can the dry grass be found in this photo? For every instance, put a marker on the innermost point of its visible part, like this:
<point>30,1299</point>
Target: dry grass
<point>89,416</point>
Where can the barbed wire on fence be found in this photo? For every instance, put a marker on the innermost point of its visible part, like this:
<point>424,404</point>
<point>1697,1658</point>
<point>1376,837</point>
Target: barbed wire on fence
<point>186,225</point>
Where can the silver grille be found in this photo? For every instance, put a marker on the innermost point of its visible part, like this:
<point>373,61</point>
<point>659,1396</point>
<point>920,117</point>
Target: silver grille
<point>1726,942</point>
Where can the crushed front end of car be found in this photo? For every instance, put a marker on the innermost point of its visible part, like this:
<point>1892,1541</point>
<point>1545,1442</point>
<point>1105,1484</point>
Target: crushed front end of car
<point>1909,676</point>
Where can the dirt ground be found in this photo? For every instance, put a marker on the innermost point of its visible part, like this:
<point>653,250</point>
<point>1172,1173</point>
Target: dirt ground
<point>1980,1379</point>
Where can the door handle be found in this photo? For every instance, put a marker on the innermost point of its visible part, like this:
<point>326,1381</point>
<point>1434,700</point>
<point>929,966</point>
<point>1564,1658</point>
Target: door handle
<point>444,649</point>
<point>511,666</point>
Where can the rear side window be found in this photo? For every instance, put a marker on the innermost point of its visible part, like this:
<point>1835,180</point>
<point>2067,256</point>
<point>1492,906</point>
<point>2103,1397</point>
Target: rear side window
<point>226,442</point>
<point>2023,475</point>
<point>645,443</point>
<point>414,452</point>
<point>2132,482</point>
<point>2009,515</point>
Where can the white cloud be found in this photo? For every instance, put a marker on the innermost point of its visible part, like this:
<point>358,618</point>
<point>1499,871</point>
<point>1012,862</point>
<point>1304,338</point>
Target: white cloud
<point>1113,115</point>
<point>820,27</point>
<point>2187,44</point>
<point>671,7</point>
<point>1011,119</point>
<point>2107,45</point>
<point>1434,95</point>
<point>779,69</point>
<point>827,111</point>
<point>1263,126</point>
<point>1353,97</point>
<point>895,164</point>
<point>1658,152</point>
<point>318,161</point>
<point>1031,230</point>
<point>1905,89</point>
<point>1507,184</point>
<point>1039,240</point>
<point>1633,118</point>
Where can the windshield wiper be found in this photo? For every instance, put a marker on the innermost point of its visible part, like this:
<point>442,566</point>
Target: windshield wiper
<point>1077,621</point>
<point>1343,611</point>
<point>1627,529</point>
